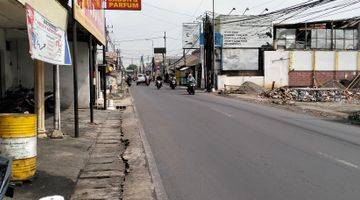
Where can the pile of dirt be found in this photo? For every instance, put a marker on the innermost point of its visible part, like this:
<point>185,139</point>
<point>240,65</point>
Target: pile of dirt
<point>287,95</point>
<point>246,88</point>
<point>333,84</point>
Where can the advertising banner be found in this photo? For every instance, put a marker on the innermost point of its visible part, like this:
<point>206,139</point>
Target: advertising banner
<point>240,32</point>
<point>90,15</point>
<point>123,4</point>
<point>191,35</point>
<point>48,43</point>
<point>240,59</point>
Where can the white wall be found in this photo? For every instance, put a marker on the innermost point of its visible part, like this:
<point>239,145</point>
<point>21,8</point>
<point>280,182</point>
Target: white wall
<point>238,80</point>
<point>26,64</point>
<point>348,60</point>
<point>302,60</point>
<point>66,79</point>
<point>325,60</point>
<point>276,68</point>
<point>2,61</point>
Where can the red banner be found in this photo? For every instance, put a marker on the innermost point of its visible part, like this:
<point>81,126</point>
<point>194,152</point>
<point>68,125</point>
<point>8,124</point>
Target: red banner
<point>123,4</point>
<point>89,14</point>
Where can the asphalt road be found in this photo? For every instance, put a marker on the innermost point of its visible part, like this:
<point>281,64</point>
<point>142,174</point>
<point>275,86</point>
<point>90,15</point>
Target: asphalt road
<point>208,147</point>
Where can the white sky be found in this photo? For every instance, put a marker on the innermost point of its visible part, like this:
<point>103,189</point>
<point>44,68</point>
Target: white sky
<point>152,22</point>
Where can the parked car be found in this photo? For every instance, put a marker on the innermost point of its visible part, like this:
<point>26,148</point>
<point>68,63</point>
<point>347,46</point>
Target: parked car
<point>140,79</point>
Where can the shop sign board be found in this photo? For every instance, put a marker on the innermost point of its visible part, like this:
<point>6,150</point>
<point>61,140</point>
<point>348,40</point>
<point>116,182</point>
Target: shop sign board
<point>91,16</point>
<point>123,4</point>
<point>48,43</point>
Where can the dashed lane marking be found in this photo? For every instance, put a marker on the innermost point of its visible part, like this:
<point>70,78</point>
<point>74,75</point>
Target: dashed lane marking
<point>343,162</point>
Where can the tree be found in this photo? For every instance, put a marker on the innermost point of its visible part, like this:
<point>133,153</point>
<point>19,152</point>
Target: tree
<point>132,67</point>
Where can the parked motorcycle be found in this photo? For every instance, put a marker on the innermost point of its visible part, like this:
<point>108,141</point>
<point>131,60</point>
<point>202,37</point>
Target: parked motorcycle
<point>191,88</point>
<point>173,83</point>
<point>158,84</point>
<point>6,190</point>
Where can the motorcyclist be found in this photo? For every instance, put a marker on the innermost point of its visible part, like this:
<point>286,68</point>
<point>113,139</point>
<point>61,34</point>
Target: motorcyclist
<point>159,78</point>
<point>128,80</point>
<point>172,81</point>
<point>191,79</point>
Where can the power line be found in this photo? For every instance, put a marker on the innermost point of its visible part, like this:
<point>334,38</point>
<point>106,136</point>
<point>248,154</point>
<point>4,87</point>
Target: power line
<point>167,10</point>
<point>138,39</point>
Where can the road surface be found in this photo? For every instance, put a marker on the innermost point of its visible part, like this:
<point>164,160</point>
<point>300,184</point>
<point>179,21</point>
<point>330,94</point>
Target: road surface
<point>208,147</point>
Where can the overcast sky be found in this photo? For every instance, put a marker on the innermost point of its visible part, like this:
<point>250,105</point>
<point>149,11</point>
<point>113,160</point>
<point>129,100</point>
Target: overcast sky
<point>158,16</point>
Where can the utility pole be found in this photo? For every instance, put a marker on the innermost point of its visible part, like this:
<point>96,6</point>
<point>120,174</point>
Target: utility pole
<point>214,48</point>
<point>208,52</point>
<point>164,55</point>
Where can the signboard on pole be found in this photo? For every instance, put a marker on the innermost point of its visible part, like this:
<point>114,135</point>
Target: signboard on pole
<point>191,35</point>
<point>123,4</point>
<point>240,59</point>
<point>90,15</point>
<point>48,43</point>
<point>245,32</point>
<point>160,50</point>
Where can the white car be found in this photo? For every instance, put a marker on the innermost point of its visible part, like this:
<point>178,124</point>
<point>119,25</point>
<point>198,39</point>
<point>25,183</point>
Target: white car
<point>140,79</point>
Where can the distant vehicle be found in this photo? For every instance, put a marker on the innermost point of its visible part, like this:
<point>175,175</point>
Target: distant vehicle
<point>147,80</point>
<point>141,78</point>
<point>158,84</point>
<point>191,88</point>
<point>128,80</point>
<point>173,83</point>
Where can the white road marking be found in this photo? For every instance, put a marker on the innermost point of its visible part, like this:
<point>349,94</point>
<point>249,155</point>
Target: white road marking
<point>343,162</point>
<point>222,112</point>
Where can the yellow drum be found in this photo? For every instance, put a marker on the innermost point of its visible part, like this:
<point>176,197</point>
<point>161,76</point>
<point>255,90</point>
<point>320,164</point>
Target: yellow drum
<point>18,140</point>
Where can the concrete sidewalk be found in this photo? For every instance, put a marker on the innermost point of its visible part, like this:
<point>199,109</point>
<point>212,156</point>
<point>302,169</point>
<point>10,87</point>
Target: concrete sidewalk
<point>61,161</point>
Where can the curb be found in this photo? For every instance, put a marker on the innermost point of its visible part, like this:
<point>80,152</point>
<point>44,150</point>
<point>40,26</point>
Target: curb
<point>153,169</point>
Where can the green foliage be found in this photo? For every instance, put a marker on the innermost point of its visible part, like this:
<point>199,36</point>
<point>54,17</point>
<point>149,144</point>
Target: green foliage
<point>132,67</point>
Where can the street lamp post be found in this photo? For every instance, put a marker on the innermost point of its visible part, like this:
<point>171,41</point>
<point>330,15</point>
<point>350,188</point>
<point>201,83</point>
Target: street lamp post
<point>152,45</point>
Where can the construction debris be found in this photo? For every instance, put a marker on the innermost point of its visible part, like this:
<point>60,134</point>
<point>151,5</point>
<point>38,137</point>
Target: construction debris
<point>288,95</point>
<point>333,84</point>
<point>355,117</point>
<point>246,88</point>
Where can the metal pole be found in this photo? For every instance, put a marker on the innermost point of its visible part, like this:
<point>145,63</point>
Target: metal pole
<point>184,55</point>
<point>91,79</point>
<point>358,30</point>
<point>104,76</point>
<point>75,80</point>
<point>56,81</point>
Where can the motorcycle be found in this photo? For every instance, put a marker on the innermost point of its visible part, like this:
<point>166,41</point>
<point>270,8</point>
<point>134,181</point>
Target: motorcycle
<point>147,81</point>
<point>6,188</point>
<point>173,83</point>
<point>128,82</point>
<point>191,88</point>
<point>158,84</point>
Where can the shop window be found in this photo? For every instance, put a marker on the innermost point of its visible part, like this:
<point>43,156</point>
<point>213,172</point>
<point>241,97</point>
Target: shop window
<point>346,39</point>
<point>301,41</point>
<point>321,39</point>
<point>286,38</point>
